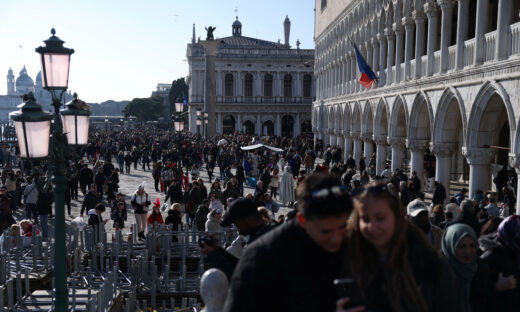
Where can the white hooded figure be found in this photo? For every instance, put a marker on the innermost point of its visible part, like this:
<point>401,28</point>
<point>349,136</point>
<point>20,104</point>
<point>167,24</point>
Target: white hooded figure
<point>287,187</point>
<point>213,290</point>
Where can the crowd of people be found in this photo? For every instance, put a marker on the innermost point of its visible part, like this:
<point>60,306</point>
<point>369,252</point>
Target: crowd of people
<point>374,237</point>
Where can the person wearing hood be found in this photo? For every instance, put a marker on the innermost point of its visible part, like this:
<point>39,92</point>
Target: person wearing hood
<point>174,218</point>
<point>140,203</point>
<point>501,252</point>
<point>213,222</point>
<point>201,216</point>
<point>287,194</point>
<point>475,285</point>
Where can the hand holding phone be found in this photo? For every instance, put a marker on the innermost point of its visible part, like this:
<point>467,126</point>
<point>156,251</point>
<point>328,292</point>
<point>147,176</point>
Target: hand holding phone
<point>347,287</point>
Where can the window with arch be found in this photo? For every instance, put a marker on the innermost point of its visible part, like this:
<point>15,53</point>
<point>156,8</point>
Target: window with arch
<point>228,85</point>
<point>287,85</point>
<point>248,85</point>
<point>307,85</point>
<point>268,85</point>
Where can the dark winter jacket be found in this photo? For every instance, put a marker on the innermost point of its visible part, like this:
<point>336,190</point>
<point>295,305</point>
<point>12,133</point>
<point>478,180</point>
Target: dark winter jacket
<point>502,259</point>
<point>201,216</point>
<point>284,270</point>
<point>174,194</point>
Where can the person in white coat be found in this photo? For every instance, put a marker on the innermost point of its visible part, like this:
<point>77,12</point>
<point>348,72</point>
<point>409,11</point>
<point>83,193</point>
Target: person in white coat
<point>213,222</point>
<point>287,187</point>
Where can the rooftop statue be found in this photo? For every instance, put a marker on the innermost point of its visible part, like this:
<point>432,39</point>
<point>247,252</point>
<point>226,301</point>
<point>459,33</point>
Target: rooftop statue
<point>210,30</point>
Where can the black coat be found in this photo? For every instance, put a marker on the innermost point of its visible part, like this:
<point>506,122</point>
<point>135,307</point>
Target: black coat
<point>174,194</point>
<point>86,175</point>
<point>502,259</point>
<point>284,270</point>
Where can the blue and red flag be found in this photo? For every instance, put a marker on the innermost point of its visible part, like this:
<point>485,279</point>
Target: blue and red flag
<point>367,75</point>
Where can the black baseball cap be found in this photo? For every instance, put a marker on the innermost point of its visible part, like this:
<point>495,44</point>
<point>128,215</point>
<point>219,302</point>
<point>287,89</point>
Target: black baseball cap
<point>239,209</point>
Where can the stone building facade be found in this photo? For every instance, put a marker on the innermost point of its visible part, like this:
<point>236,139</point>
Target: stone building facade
<point>263,87</point>
<point>449,75</point>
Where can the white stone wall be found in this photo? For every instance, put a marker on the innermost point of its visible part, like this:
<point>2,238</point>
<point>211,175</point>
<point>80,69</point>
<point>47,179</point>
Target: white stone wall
<point>455,102</point>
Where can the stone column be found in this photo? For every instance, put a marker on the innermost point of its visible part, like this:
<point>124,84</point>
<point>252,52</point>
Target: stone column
<point>447,12</point>
<point>219,123</point>
<point>443,152</point>
<point>480,31</point>
<point>420,19</point>
<point>397,152</point>
<point>375,52</point>
<point>219,84</point>
<point>399,35</point>
<point>348,73</point>
<point>505,12</point>
<point>258,125</point>
<point>347,146</point>
<point>431,9</point>
<point>239,123</point>
<point>409,29</point>
<point>462,32</point>
<point>514,162</point>
<point>332,140</point>
<point>390,56</point>
<point>369,55</point>
<point>368,146</point>
<point>210,48</point>
<point>381,145</point>
<point>417,148</point>
<point>356,137</point>
<point>382,57</point>
<point>278,126</point>
<point>297,125</point>
<point>479,160</point>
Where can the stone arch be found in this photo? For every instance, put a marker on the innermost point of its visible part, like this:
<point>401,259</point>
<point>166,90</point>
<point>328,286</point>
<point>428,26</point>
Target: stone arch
<point>488,101</point>
<point>368,119</point>
<point>399,118</point>
<point>381,118</point>
<point>228,124</point>
<point>420,126</point>
<point>356,118</point>
<point>450,110</point>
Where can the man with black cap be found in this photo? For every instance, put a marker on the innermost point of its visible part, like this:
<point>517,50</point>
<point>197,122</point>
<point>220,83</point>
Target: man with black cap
<point>243,213</point>
<point>292,268</point>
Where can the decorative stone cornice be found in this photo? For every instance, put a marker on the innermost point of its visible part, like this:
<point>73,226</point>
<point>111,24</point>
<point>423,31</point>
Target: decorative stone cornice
<point>417,145</point>
<point>346,134</point>
<point>396,142</point>
<point>367,137</point>
<point>443,149</point>
<point>478,156</point>
<point>380,139</point>
<point>431,9</point>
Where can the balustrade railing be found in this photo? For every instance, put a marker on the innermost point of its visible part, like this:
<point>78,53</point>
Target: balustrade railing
<point>264,99</point>
<point>489,45</point>
<point>514,39</point>
<point>452,52</point>
<point>469,52</point>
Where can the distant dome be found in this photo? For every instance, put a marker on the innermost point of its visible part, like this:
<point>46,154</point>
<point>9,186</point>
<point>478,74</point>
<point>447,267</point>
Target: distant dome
<point>10,71</point>
<point>24,80</point>
<point>39,79</point>
<point>237,24</point>
<point>237,28</point>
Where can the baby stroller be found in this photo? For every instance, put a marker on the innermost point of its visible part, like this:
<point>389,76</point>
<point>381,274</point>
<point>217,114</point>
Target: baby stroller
<point>251,182</point>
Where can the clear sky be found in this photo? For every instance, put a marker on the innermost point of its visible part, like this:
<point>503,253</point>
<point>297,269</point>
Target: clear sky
<point>125,47</point>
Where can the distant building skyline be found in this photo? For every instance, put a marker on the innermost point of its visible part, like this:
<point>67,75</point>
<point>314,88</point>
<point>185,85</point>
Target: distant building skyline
<point>128,61</point>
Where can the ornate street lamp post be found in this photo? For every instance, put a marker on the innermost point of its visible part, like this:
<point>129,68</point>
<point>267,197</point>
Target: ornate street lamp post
<point>32,129</point>
<point>178,125</point>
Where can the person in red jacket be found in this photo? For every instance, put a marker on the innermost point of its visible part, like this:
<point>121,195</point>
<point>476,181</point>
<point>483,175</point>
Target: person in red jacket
<point>155,216</point>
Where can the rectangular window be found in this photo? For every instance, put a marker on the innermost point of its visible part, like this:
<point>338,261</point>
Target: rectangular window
<point>323,4</point>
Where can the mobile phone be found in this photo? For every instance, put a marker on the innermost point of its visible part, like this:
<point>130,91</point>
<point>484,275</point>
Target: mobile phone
<point>347,287</point>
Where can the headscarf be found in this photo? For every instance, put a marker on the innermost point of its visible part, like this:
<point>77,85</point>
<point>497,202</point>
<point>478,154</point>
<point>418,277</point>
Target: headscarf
<point>509,233</point>
<point>465,272</point>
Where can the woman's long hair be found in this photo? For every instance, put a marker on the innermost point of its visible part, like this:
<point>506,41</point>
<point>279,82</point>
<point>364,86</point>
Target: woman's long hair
<point>398,284</point>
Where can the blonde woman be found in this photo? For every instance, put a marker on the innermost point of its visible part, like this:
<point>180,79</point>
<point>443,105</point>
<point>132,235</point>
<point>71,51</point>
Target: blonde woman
<point>140,203</point>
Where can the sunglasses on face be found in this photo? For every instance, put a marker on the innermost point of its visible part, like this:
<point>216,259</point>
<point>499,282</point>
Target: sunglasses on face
<point>378,189</point>
<point>324,193</point>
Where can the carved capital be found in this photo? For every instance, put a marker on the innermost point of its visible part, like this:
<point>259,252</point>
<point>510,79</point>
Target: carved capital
<point>514,161</point>
<point>445,4</point>
<point>418,145</point>
<point>418,16</point>
<point>380,139</point>
<point>396,142</point>
<point>338,132</point>
<point>389,33</point>
<point>381,37</point>
<point>367,137</point>
<point>398,28</point>
<point>356,136</point>
<point>408,23</point>
<point>478,156</point>
<point>431,9</point>
<point>443,149</point>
